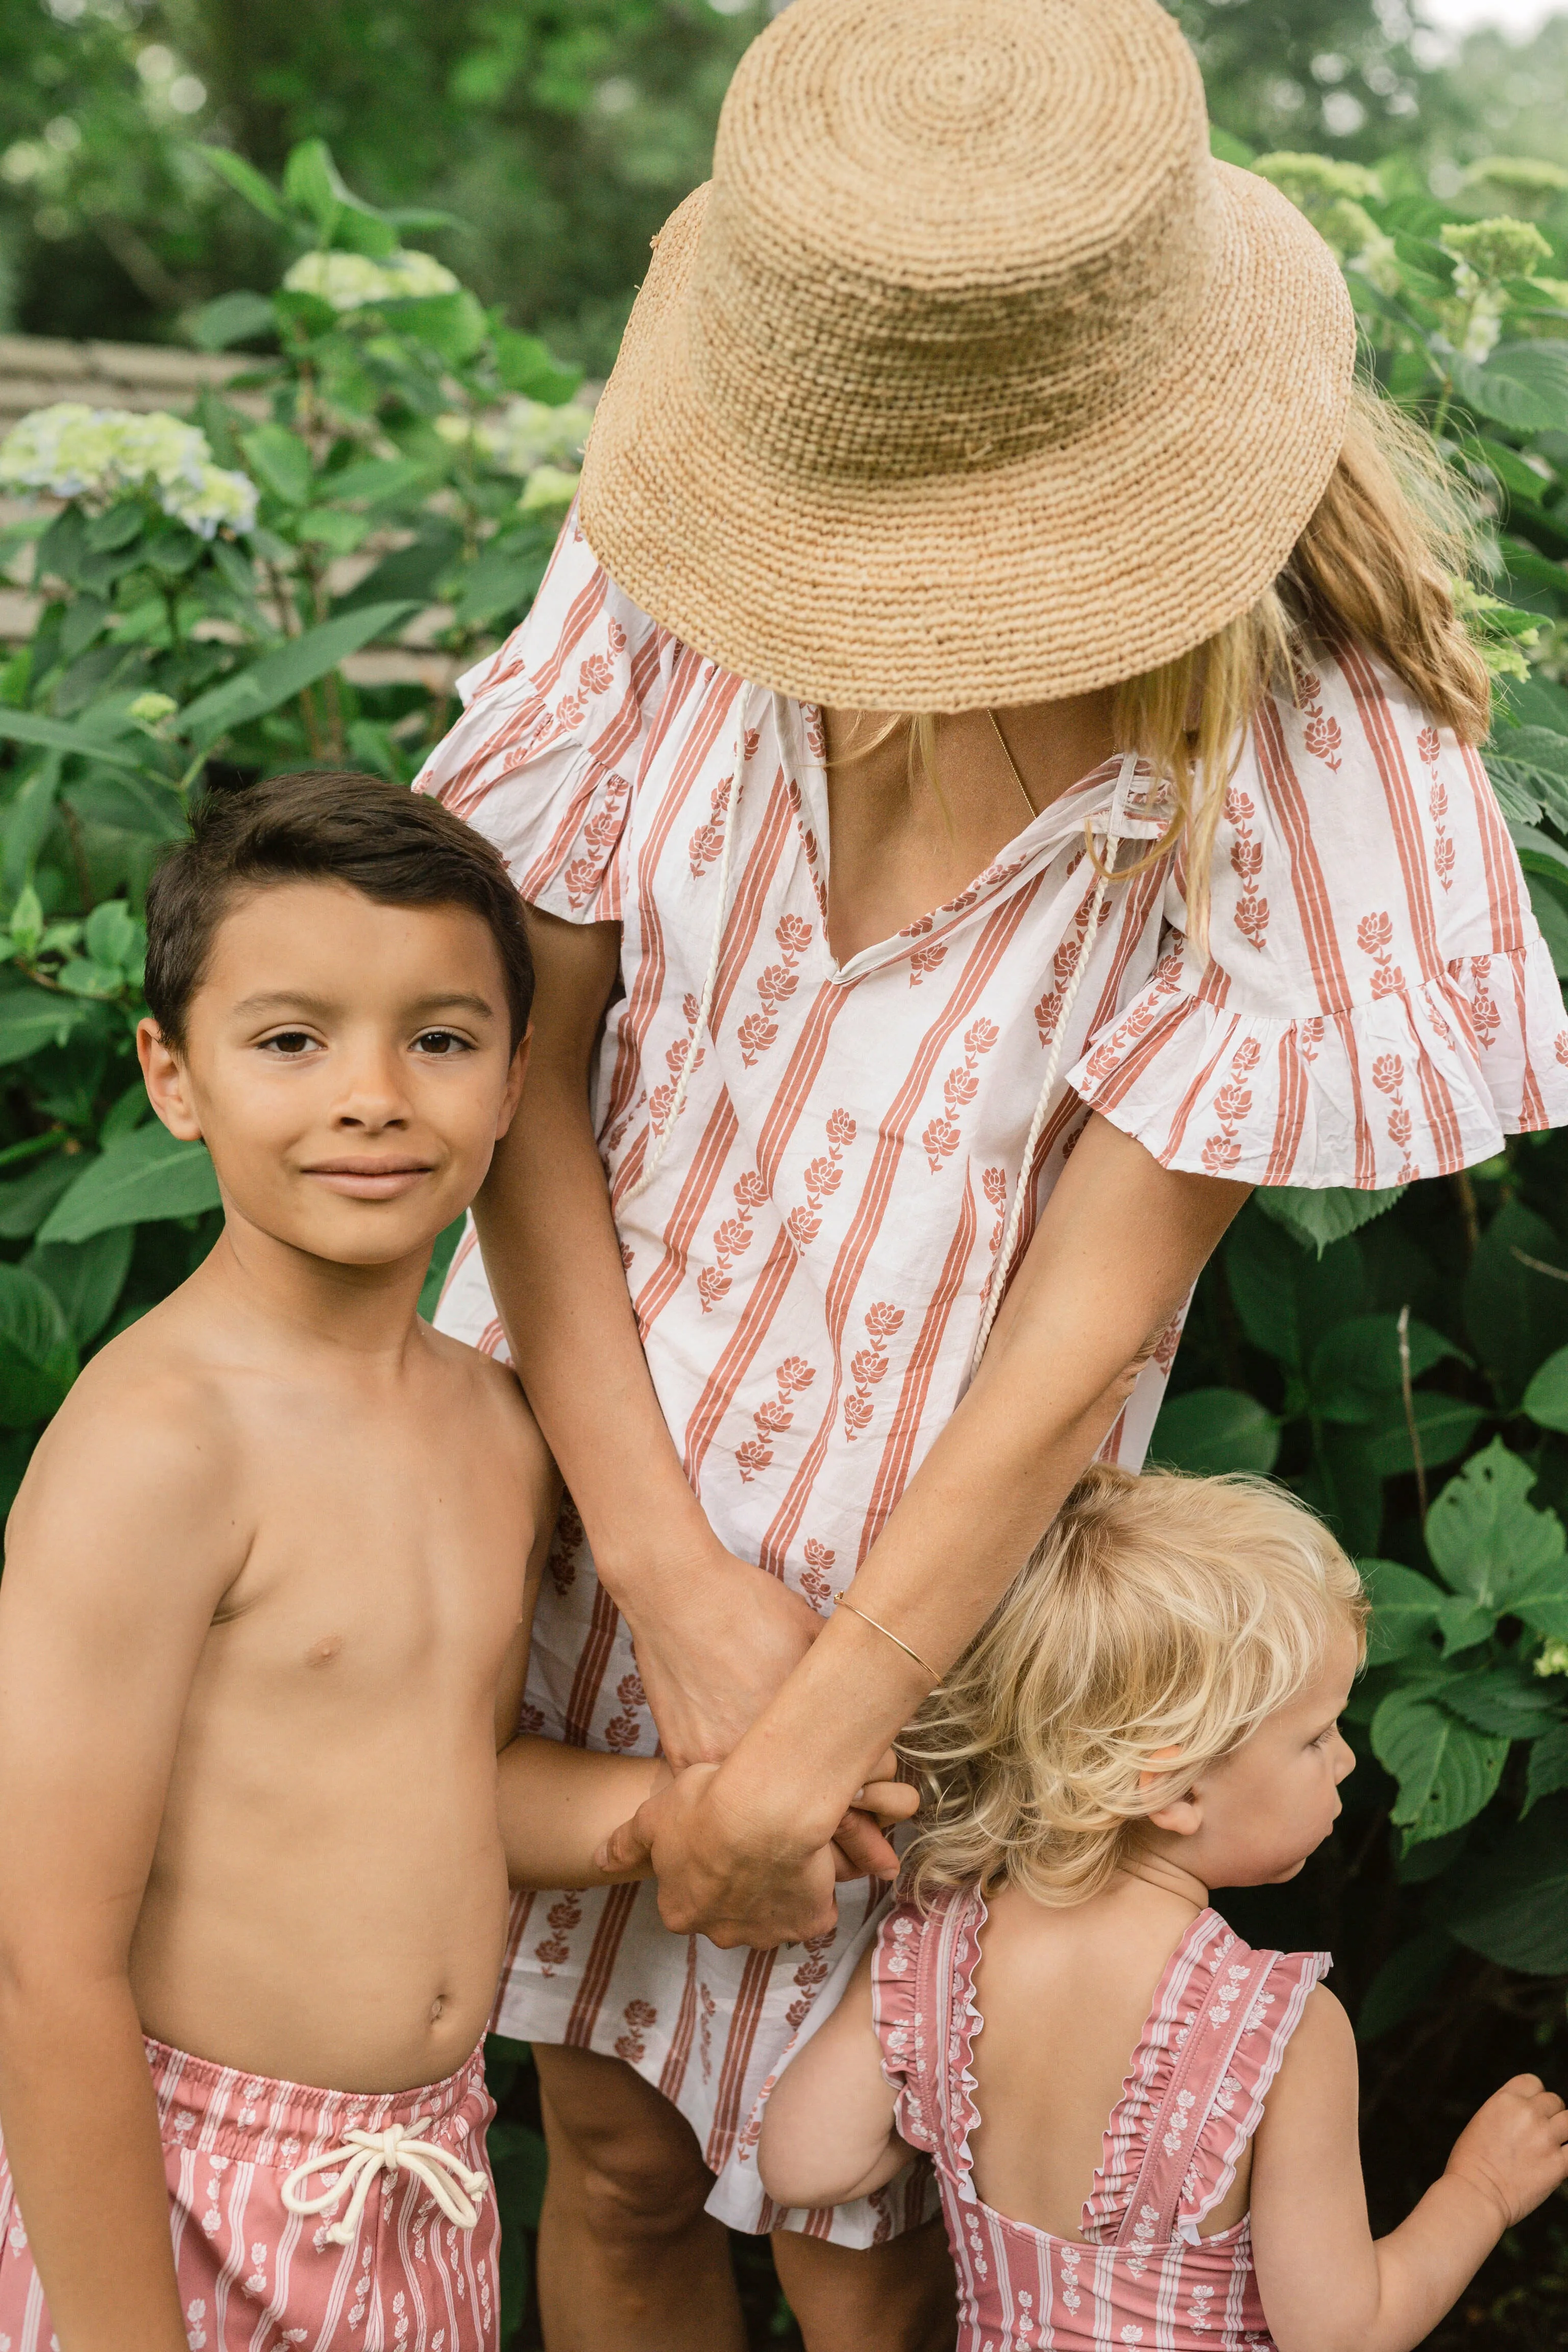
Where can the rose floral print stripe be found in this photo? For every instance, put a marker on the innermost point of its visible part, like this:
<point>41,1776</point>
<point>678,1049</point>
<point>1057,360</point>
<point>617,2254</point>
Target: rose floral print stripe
<point>809,1265</point>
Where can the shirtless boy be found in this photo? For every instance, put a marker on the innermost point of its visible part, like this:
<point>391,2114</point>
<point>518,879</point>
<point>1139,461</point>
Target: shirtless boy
<point>265,1605</point>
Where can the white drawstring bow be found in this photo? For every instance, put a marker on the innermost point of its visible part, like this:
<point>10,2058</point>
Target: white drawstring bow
<point>456,2189</point>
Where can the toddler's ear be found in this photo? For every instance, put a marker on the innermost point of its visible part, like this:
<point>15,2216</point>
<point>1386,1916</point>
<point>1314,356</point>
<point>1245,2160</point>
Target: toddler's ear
<point>168,1089</point>
<point>1181,1816</point>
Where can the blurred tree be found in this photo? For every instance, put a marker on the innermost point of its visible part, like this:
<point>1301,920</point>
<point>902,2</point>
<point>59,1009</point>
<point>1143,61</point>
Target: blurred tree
<point>560,132</point>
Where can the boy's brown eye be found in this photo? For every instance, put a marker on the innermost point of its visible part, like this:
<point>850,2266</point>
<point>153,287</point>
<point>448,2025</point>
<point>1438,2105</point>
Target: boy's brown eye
<point>290,1040</point>
<point>440,1041</point>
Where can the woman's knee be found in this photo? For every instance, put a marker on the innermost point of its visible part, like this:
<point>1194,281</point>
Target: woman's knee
<point>619,2152</point>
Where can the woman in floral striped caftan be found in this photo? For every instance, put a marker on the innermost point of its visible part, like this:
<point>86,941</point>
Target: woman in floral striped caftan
<point>852,1032</point>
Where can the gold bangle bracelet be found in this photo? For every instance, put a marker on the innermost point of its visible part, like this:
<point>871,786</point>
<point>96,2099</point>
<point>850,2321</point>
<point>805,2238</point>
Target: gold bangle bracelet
<point>890,1636</point>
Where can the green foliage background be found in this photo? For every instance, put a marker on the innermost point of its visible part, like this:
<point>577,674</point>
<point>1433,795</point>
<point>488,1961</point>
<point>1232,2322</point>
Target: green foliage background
<point>1400,1360</point>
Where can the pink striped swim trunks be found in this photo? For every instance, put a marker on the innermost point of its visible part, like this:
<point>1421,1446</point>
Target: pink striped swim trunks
<point>315,2220</point>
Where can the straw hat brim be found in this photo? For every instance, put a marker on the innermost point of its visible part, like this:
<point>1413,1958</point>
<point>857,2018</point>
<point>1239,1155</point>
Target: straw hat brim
<point>1086,563</point>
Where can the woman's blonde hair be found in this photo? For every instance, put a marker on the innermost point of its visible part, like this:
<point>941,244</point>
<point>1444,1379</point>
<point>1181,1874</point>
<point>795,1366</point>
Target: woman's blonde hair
<point>1376,562</point>
<point>1158,1613</point>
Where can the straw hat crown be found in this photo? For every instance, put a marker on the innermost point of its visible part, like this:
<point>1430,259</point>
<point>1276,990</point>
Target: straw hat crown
<point>971,377</point>
<point>943,235</point>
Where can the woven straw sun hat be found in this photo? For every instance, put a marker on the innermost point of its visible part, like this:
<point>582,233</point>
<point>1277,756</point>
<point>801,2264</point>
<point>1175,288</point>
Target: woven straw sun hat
<point>969,377</point>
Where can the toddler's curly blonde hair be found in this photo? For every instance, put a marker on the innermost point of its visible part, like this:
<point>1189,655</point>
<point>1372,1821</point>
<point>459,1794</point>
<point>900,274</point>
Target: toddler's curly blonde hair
<point>1159,1612</point>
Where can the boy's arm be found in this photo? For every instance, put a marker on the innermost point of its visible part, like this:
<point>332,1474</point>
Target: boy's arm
<point>103,1607</point>
<point>828,2127</point>
<point>558,1803</point>
<point>1326,2284</point>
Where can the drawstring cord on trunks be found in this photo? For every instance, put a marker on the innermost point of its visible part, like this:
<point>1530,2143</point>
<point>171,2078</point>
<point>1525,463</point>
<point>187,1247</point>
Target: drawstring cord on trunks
<point>402,2147</point>
<point>658,1144</point>
<point>1003,1265</point>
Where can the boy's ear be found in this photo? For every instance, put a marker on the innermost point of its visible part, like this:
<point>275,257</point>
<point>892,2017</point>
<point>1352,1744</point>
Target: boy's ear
<point>168,1085</point>
<point>514,1078</point>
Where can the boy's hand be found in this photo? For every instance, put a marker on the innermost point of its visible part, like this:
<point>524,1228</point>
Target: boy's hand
<point>1514,2151</point>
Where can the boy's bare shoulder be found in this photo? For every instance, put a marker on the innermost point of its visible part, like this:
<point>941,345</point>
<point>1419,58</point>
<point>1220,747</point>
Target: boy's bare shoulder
<point>478,1384</point>
<point>146,1417</point>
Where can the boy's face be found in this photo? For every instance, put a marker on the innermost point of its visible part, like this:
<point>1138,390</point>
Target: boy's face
<point>348,1064</point>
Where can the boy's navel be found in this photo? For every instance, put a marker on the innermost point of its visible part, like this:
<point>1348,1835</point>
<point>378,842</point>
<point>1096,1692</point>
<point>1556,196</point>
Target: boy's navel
<point>321,1653</point>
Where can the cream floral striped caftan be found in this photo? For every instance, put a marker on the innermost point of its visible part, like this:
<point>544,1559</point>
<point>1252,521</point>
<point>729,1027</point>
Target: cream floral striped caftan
<point>810,1262</point>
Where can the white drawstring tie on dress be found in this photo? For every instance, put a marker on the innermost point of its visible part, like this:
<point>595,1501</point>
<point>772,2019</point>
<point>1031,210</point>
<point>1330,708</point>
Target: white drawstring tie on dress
<point>456,2189</point>
<point>658,1143</point>
<point>1002,1265</point>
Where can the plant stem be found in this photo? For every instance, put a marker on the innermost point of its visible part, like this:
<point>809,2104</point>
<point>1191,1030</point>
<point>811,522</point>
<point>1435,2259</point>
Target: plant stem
<point>1469,1210</point>
<point>1409,1395</point>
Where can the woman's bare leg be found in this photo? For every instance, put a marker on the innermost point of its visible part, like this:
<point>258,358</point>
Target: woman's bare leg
<point>626,2254</point>
<point>899,2297</point>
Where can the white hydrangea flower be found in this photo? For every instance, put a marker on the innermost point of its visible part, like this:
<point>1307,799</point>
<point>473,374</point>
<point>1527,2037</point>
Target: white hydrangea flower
<point>352,281</point>
<point>72,451</point>
<point>543,445</point>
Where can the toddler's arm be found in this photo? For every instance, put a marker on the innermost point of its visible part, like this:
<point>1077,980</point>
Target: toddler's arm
<point>122,1543</point>
<point>827,2128</point>
<point>1326,2284</point>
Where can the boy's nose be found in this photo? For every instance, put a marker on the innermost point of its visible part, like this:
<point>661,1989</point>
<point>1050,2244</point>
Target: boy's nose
<point>374,1096</point>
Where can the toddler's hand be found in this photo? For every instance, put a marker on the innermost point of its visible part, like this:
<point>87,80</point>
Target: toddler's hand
<point>1514,2150</point>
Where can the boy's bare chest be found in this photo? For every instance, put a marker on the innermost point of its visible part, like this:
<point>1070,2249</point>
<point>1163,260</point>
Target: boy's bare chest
<point>379,1564</point>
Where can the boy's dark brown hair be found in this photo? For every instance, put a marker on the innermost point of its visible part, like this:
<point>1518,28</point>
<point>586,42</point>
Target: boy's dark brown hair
<point>395,846</point>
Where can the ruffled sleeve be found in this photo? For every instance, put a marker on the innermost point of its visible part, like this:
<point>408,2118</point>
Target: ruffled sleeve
<point>544,759</point>
<point>901,2024</point>
<point>1378,1003</point>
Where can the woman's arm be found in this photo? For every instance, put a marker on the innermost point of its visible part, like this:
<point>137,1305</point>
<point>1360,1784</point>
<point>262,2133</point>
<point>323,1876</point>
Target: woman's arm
<point>740,1853</point>
<point>1325,2283</point>
<point>828,2127</point>
<point>715,1637</point>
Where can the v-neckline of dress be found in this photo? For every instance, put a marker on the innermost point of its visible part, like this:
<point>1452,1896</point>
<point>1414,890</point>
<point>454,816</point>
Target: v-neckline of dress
<point>1059,819</point>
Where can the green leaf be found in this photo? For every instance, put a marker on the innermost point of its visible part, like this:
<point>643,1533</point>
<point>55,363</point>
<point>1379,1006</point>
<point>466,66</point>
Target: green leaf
<point>26,1200</point>
<point>234,318</point>
<point>526,365</point>
<point>280,675</point>
<point>313,182</point>
<point>378,481</point>
<point>1210,1431</point>
<point>1404,1983</point>
<point>1404,1610</point>
<point>38,1357</point>
<point>1446,1771</point>
<point>1552,915</point>
<point>1515,1317</point>
<point>1522,384</point>
<point>281,461</point>
<point>1548,1769</point>
<point>452,325</point>
<point>1503,1699</point>
<point>247,181</point>
<point>142,1177</point>
<point>55,735</point>
<point>1485,1538</point>
<point>1546,1398</point>
<point>1444,1424</point>
<point>440,1260</point>
<point>86,1277</point>
<point>498,582</point>
<point>1464,1623</point>
<point>31,1018</point>
<point>1512,1905</point>
<point>333,528</point>
<point>1357,1364</point>
<point>1318,1218</point>
<point>413,570</point>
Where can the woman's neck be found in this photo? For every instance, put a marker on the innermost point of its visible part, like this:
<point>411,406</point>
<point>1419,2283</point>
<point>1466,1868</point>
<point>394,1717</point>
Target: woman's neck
<point>901,843</point>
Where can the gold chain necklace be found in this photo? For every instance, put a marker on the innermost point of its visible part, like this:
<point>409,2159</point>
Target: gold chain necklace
<point>1012,765</point>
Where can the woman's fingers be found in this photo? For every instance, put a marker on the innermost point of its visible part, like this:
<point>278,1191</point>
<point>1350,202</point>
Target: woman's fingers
<point>626,1850</point>
<point>859,1839</point>
<point>889,1801</point>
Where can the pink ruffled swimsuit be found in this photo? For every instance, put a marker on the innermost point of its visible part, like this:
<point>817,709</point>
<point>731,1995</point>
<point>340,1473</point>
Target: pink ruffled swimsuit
<point>1191,2100</point>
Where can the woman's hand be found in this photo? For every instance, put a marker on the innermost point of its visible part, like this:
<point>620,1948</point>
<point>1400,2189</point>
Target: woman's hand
<point>715,1638</point>
<point>722,1872</point>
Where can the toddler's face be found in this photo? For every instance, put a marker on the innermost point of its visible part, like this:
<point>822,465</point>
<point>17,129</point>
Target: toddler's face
<point>1276,1798</point>
<point>349,1067</point>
